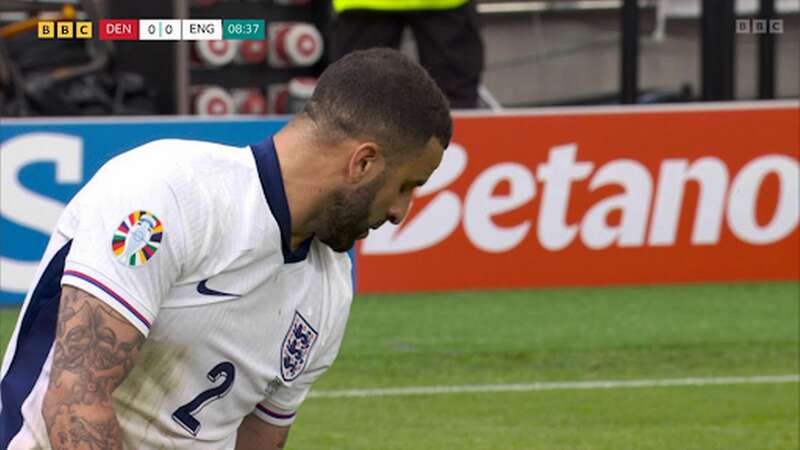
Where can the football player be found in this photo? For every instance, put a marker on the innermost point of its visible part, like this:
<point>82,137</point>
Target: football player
<point>192,292</point>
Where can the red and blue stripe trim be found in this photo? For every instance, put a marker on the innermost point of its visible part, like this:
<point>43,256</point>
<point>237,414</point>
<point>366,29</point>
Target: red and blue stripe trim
<point>110,292</point>
<point>274,414</point>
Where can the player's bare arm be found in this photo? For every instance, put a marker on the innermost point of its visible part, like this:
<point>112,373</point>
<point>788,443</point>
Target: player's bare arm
<point>255,434</point>
<point>95,348</point>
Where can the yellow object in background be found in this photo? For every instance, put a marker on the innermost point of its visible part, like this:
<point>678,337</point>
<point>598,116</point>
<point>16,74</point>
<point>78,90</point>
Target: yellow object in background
<point>64,29</point>
<point>46,30</point>
<point>83,30</point>
<point>396,5</point>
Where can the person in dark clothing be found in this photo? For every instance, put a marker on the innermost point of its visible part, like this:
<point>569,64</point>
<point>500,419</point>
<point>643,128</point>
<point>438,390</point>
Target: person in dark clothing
<point>447,35</point>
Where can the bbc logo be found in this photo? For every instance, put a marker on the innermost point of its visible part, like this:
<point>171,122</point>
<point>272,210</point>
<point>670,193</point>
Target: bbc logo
<point>759,26</point>
<point>64,30</point>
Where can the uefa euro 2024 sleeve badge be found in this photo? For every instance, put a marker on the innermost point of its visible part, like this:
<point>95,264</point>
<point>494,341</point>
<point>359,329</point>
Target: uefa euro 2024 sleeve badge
<point>296,347</point>
<point>137,238</point>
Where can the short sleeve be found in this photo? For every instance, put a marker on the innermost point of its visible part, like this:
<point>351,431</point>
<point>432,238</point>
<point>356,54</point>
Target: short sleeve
<point>128,241</point>
<point>280,408</point>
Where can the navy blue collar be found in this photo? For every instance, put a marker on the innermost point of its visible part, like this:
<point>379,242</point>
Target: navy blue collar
<point>269,172</point>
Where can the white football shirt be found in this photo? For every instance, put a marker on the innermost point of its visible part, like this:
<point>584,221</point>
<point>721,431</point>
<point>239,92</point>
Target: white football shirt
<point>190,242</point>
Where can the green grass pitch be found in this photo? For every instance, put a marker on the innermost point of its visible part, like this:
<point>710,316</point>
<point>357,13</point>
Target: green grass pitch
<point>630,333</point>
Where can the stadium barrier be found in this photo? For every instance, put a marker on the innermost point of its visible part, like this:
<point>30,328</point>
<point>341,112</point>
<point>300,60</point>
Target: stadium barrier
<point>663,194</point>
<point>552,197</point>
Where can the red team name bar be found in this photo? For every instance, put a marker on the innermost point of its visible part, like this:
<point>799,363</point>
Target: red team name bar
<point>119,29</point>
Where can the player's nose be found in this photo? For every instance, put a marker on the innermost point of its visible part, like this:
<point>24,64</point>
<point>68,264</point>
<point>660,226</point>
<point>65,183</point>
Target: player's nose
<point>399,210</point>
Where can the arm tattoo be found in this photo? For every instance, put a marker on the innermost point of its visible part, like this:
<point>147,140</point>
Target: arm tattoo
<point>95,348</point>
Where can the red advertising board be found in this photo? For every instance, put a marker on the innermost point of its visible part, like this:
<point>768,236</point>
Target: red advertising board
<point>601,197</point>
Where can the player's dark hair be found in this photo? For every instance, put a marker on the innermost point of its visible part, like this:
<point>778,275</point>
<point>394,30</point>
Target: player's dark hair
<point>383,95</point>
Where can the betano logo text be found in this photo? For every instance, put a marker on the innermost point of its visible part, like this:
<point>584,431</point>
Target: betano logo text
<point>651,208</point>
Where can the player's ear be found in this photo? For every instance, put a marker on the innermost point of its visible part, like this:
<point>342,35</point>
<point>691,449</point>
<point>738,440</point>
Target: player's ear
<point>365,162</point>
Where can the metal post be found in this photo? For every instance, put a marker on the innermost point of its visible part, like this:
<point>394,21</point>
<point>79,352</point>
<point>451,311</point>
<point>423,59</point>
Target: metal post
<point>629,75</point>
<point>182,75</point>
<point>766,53</point>
<point>718,50</point>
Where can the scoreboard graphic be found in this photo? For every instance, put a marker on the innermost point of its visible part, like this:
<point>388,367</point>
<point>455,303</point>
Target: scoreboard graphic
<point>155,29</point>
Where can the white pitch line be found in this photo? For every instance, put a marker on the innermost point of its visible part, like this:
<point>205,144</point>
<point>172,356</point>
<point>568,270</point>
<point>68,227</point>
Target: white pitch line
<point>551,386</point>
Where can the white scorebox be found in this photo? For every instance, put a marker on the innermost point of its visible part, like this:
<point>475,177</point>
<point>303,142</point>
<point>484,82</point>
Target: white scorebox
<point>202,29</point>
<point>160,30</point>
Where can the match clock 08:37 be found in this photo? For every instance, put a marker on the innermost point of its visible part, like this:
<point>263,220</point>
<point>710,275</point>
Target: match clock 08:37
<point>243,29</point>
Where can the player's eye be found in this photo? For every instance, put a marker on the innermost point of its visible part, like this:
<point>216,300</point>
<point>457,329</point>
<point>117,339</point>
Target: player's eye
<point>409,186</point>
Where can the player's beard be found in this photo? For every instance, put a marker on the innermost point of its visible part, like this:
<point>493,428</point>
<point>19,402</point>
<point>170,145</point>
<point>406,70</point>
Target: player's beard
<point>347,215</point>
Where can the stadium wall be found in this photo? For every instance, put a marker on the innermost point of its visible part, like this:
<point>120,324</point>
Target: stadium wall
<point>548,197</point>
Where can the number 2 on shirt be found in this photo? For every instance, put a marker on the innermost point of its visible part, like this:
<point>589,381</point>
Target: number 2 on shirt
<point>185,414</point>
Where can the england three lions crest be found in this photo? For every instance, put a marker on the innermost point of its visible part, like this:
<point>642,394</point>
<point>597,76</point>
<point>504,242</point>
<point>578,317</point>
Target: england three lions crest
<point>296,347</point>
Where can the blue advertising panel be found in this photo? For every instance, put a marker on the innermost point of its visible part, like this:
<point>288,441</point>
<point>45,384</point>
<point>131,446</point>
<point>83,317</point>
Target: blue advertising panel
<point>43,163</point>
